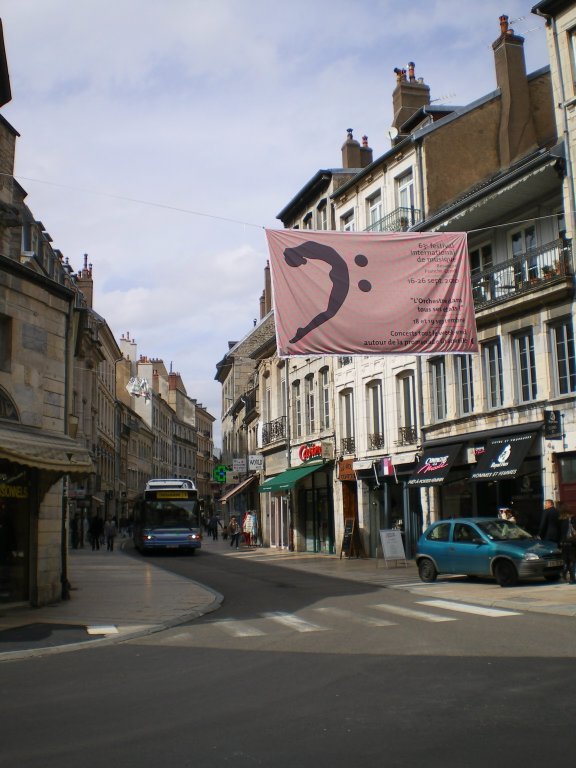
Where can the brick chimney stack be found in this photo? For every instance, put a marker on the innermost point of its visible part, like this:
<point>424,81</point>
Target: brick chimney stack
<point>85,283</point>
<point>351,152</point>
<point>517,136</point>
<point>409,95</point>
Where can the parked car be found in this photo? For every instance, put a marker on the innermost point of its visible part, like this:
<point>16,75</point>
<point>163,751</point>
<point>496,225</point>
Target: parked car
<point>482,546</point>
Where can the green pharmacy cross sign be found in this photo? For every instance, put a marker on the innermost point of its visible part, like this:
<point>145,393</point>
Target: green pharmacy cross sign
<point>219,473</point>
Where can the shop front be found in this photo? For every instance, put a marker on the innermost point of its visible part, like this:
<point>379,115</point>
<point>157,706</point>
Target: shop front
<point>391,503</point>
<point>301,508</point>
<point>475,474</point>
<point>34,512</point>
<point>15,542</point>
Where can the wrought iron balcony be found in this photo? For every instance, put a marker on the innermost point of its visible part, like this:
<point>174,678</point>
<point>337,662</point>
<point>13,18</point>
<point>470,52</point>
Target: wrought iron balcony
<point>348,445</point>
<point>407,436</point>
<point>375,441</point>
<point>399,220</point>
<point>274,430</point>
<point>525,273</point>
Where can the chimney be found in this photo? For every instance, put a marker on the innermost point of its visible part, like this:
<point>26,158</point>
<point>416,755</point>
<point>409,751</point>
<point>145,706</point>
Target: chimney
<point>84,282</point>
<point>409,95</point>
<point>517,136</point>
<point>351,152</point>
<point>365,153</point>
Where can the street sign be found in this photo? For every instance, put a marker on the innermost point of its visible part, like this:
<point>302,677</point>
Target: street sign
<point>232,478</point>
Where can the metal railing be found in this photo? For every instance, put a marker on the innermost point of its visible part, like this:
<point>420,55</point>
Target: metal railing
<point>526,272</point>
<point>274,430</point>
<point>399,220</point>
<point>407,436</point>
<point>375,441</point>
<point>347,445</point>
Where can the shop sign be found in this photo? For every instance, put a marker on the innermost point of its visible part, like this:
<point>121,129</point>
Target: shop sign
<point>13,491</point>
<point>239,465</point>
<point>552,425</point>
<point>346,470</point>
<point>255,462</point>
<point>310,451</point>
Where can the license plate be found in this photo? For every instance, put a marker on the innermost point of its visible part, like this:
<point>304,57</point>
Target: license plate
<point>171,546</point>
<point>554,563</point>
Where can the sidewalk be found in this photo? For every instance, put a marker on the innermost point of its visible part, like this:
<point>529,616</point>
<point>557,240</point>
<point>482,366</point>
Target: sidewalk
<point>115,597</point>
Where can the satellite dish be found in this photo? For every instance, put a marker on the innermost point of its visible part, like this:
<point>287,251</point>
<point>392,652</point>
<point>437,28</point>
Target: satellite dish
<point>392,132</point>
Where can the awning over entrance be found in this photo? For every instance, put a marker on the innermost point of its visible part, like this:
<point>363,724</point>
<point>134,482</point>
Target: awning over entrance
<point>47,451</point>
<point>434,465</point>
<point>288,479</point>
<point>503,457</point>
<point>237,489</point>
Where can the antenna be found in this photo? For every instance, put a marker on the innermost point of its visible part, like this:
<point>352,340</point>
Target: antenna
<point>392,132</point>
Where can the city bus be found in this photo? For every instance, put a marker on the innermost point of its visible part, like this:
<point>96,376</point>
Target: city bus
<point>167,517</point>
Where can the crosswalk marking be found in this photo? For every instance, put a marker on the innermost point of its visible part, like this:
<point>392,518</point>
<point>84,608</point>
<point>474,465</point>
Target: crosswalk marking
<point>294,622</point>
<point>411,613</point>
<point>352,616</point>
<point>238,628</point>
<point>466,608</point>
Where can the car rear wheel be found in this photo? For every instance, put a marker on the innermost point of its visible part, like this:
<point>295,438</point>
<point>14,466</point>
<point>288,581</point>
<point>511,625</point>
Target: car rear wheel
<point>427,570</point>
<point>506,573</point>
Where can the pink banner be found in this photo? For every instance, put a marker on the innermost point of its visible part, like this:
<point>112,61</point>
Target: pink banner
<point>371,293</point>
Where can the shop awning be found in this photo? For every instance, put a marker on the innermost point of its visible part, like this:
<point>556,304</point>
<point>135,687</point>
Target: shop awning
<point>288,479</point>
<point>47,451</point>
<point>434,465</point>
<point>503,457</point>
<point>237,489</point>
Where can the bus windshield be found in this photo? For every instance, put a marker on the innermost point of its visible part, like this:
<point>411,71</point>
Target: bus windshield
<point>171,514</point>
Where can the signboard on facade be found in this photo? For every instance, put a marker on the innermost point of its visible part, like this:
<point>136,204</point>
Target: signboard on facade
<point>255,462</point>
<point>552,425</point>
<point>232,478</point>
<point>239,465</point>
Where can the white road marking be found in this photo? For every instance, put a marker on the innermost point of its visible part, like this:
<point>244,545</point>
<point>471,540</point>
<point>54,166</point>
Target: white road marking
<point>294,622</point>
<point>102,629</point>
<point>411,614</point>
<point>352,616</point>
<point>466,608</point>
<point>238,628</point>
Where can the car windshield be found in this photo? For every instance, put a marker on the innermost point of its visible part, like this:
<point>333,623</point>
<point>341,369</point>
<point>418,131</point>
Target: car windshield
<point>503,530</point>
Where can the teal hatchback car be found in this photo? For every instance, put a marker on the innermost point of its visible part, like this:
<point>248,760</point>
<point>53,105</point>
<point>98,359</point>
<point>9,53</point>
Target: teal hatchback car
<point>483,546</point>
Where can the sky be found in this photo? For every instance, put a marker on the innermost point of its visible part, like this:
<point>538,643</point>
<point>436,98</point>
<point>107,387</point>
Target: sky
<point>162,138</point>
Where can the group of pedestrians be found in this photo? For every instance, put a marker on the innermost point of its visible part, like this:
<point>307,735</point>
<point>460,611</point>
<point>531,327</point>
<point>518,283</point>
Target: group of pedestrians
<point>558,524</point>
<point>102,532</point>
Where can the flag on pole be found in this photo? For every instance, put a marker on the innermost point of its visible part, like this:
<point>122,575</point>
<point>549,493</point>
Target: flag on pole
<point>388,468</point>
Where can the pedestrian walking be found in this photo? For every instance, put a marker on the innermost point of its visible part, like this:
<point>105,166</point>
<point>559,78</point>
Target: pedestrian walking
<point>549,525</point>
<point>96,530</point>
<point>234,530</point>
<point>213,524</point>
<point>567,524</point>
<point>110,534</point>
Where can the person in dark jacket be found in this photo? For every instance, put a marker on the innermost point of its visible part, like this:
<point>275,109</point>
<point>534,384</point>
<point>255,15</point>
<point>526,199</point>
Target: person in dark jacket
<point>549,524</point>
<point>96,531</point>
<point>567,525</point>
